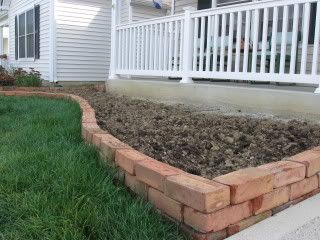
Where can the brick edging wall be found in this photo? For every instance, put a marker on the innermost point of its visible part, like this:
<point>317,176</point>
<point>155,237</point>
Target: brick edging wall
<point>205,209</point>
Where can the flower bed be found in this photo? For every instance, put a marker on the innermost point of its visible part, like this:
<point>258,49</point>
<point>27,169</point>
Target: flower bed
<point>206,209</point>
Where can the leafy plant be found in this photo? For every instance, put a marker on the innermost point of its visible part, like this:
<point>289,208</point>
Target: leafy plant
<point>27,79</point>
<point>6,79</point>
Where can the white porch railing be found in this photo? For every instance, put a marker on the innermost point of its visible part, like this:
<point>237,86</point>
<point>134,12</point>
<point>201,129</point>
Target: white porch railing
<point>262,41</point>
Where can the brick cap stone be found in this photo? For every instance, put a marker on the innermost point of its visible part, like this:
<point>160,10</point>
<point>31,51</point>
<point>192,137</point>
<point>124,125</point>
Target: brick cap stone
<point>201,194</point>
<point>248,183</point>
<point>311,159</point>
<point>128,158</point>
<point>154,173</point>
<point>285,172</point>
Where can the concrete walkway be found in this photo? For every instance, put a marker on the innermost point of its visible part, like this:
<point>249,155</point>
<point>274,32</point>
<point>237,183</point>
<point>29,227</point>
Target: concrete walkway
<point>257,100</point>
<point>300,222</point>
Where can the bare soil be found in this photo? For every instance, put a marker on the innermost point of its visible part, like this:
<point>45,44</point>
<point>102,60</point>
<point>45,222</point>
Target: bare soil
<point>203,144</point>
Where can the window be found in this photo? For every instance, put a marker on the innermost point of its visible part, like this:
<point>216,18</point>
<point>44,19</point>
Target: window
<point>26,34</point>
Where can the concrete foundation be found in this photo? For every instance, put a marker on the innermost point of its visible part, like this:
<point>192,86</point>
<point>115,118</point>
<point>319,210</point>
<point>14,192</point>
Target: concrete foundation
<point>270,100</point>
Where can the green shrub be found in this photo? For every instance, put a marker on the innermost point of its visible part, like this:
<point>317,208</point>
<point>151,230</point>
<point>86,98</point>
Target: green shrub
<point>6,79</point>
<point>27,79</point>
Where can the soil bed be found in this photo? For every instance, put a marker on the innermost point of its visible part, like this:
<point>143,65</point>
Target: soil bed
<point>203,144</point>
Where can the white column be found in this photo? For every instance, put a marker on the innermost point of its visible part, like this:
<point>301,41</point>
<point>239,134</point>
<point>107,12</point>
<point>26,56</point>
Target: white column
<point>1,42</point>
<point>187,46</point>
<point>113,55</point>
<point>214,3</point>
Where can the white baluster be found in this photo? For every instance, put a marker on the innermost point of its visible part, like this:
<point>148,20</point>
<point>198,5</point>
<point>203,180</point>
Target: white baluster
<point>238,43</point>
<point>195,44</point>
<point>255,41</point>
<point>222,43</point>
<point>208,50</point>
<point>246,41</point>
<point>284,39</point>
<point>294,46</point>
<point>305,38</point>
<point>176,46</point>
<point>230,44</point>
<point>264,39</point>
<point>274,39</point>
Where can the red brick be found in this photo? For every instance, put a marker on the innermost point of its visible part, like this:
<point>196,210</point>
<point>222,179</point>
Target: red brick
<point>136,186</point>
<point>76,98</point>
<point>195,235</point>
<point>271,200</point>
<point>128,158</point>
<point>88,129</point>
<point>303,187</point>
<point>295,201</point>
<point>285,172</point>
<point>88,116</point>
<point>311,159</point>
<point>237,227</point>
<point>24,94</point>
<point>10,93</point>
<point>204,196</point>
<point>247,184</point>
<point>108,146</point>
<point>207,222</point>
<point>97,136</point>
<point>154,173</point>
<point>169,206</point>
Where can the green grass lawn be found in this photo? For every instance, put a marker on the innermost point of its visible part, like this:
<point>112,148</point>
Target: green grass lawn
<point>51,186</point>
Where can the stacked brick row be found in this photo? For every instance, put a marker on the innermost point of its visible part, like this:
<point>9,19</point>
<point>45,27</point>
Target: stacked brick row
<point>207,209</point>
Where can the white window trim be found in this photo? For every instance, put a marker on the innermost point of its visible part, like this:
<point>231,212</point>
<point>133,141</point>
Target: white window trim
<point>24,11</point>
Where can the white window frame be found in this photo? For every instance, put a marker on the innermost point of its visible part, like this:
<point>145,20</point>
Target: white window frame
<point>25,36</point>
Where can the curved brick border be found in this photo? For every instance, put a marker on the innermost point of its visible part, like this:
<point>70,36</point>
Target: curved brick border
<point>204,209</point>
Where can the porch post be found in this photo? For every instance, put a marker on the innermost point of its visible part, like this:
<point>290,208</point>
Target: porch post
<point>113,56</point>
<point>214,3</point>
<point>187,46</point>
<point>1,42</point>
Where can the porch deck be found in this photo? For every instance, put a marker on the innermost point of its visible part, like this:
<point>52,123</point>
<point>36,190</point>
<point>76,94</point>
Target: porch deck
<point>269,40</point>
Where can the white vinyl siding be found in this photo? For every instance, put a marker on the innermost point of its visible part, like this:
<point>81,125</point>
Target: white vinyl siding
<point>124,11</point>
<point>83,35</point>
<point>140,12</point>
<point>180,4</point>
<point>42,64</point>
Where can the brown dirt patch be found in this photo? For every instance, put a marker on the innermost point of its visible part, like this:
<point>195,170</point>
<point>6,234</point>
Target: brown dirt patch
<point>203,144</point>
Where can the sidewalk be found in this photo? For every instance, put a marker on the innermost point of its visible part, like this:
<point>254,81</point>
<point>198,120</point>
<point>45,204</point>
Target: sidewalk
<point>300,222</point>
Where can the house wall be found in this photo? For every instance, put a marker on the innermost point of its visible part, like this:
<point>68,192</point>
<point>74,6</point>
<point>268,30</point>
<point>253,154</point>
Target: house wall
<point>83,39</point>
<point>42,64</point>
<point>140,10</point>
<point>180,4</point>
<point>124,11</point>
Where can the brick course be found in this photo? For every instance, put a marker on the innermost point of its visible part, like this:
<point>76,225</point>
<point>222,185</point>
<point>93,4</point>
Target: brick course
<point>219,220</point>
<point>247,184</point>
<point>201,195</point>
